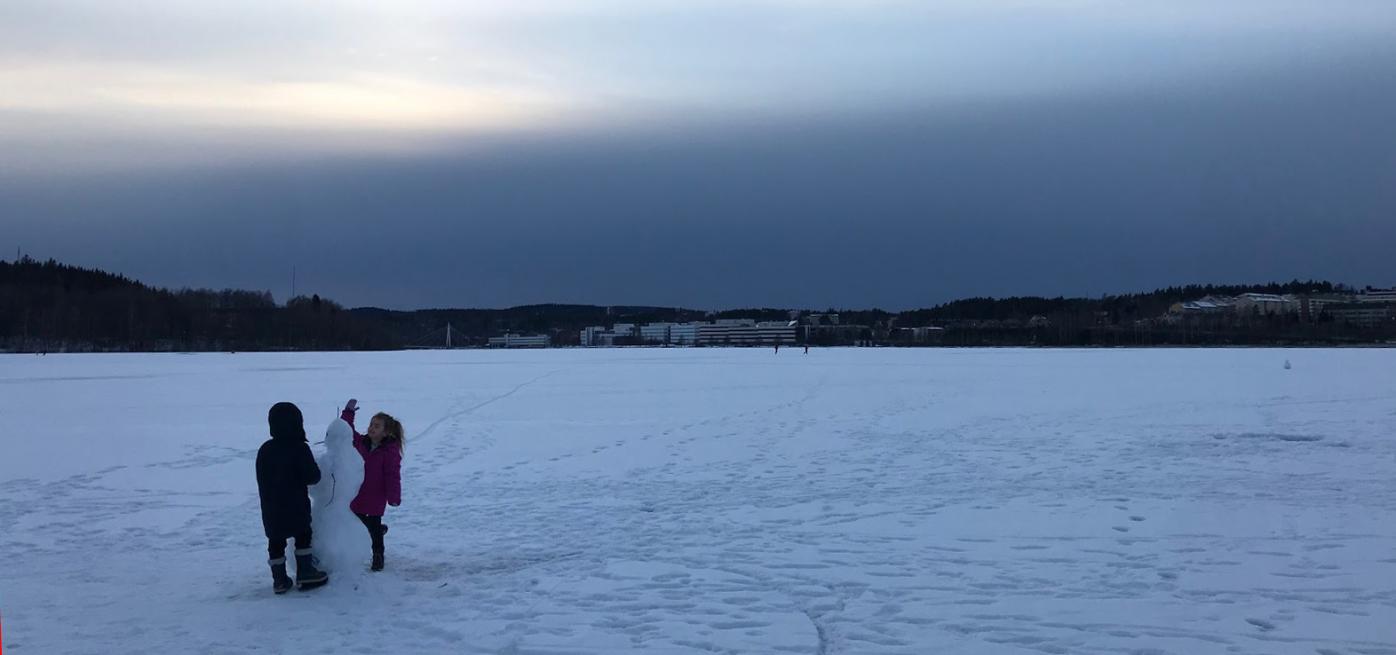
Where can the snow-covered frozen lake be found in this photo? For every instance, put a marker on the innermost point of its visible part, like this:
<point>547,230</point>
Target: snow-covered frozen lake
<point>730,501</point>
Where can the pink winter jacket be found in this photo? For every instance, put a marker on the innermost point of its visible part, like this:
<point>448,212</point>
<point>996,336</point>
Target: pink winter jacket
<point>382,473</point>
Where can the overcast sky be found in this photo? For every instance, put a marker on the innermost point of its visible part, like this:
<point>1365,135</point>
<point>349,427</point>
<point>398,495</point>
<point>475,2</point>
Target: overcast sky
<point>793,153</point>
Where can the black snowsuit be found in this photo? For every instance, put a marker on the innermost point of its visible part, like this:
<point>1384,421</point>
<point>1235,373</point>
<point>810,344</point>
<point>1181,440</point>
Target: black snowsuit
<point>285,468</point>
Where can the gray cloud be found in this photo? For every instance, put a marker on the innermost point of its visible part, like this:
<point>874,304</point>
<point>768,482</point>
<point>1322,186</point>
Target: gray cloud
<point>1242,176</point>
<point>163,82</point>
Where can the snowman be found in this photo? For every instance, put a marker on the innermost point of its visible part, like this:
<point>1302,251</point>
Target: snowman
<point>340,539</point>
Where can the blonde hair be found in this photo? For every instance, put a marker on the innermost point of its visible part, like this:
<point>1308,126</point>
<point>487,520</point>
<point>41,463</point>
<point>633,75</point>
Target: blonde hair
<point>394,429</point>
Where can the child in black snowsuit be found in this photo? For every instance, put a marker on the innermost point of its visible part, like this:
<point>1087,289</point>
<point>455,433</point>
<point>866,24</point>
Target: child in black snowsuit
<point>285,468</point>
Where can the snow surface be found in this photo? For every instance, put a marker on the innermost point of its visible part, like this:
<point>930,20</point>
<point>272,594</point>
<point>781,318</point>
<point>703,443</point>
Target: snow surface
<point>731,501</point>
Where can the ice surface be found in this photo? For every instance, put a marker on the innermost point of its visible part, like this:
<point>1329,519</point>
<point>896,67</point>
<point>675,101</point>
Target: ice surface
<point>732,501</point>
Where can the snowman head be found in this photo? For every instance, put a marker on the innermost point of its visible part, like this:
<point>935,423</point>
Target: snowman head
<point>339,436</point>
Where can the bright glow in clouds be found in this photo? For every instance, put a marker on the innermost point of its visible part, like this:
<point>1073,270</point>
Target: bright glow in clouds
<point>165,69</point>
<point>368,100</point>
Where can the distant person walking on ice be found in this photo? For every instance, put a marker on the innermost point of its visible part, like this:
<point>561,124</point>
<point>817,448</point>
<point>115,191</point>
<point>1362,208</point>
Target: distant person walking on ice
<point>285,468</point>
<point>382,450</point>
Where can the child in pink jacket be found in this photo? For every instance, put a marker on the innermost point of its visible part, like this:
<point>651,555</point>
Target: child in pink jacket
<point>382,452</point>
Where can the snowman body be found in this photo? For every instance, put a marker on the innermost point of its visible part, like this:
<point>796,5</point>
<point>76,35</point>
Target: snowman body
<point>340,540</point>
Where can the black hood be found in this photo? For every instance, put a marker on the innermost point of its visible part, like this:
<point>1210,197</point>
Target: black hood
<point>286,422</point>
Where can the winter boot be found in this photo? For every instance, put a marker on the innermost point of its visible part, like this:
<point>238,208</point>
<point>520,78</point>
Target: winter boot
<point>307,576</point>
<point>280,582</point>
<point>377,564</point>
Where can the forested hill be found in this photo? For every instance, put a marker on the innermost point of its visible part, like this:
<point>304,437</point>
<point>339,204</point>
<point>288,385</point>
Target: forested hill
<point>50,306</point>
<point>1152,303</point>
<point>53,306</point>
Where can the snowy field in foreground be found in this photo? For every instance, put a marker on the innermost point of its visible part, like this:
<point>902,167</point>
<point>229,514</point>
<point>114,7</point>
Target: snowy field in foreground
<point>734,501</point>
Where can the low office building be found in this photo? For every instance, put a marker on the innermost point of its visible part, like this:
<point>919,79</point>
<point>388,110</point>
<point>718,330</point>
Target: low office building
<point>1206,305</point>
<point>592,336</point>
<point>1312,307</point>
<point>1377,295</point>
<point>1360,314</point>
<point>684,334</point>
<point>655,333</point>
<point>1265,304</point>
<point>745,333</point>
<point>521,341</point>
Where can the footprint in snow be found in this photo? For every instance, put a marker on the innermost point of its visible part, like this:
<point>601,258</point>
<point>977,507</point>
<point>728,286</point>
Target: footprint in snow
<point>1262,624</point>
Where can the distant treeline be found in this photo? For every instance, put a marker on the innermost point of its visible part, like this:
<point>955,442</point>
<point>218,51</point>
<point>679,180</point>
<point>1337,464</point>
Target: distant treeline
<point>1137,319</point>
<point>49,306</point>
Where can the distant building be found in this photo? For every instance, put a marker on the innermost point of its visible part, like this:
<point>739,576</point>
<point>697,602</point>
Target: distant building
<point>734,331</point>
<point>835,333</point>
<point>521,341</point>
<point>655,333</point>
<point>919,334</point>
<point>1363,314</point>
<point>603,337</point>
<point>1265,304</point>
<point>744,332</point>
<point>684,334</point>
<point>678,334</point>
<point>591,336</point>
<point>1377,295</point>
<point>598,335</point>
<point>1205,305</point>
<point>1312,307</point>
